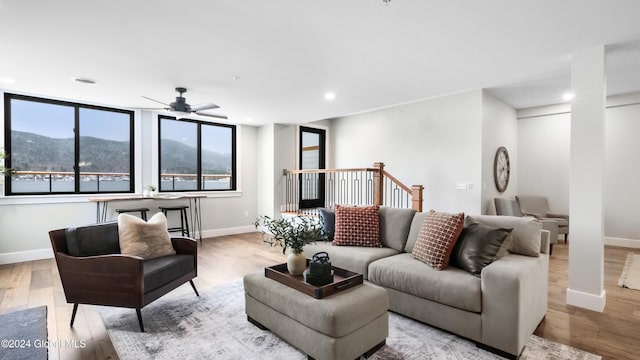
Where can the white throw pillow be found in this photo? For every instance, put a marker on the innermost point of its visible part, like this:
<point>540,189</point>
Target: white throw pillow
<point>145,239</point>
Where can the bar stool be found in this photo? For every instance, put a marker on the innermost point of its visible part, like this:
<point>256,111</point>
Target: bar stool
<point>143,212</point>
<point>184,223</point>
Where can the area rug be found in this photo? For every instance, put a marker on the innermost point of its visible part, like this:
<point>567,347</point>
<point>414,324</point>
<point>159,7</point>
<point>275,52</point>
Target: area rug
<point>23,334</point>
<point>215,326</point>
<point>630,277</point>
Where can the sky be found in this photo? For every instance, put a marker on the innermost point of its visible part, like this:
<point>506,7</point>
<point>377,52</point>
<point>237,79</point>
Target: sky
<point>56,121</point>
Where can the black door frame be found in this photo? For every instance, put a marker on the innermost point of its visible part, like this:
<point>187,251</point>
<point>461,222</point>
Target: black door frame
<point>319,202</point>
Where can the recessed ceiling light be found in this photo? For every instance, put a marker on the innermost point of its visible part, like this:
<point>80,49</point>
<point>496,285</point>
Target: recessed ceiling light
<point>6,80</point>
<point>248,119</point>
<point>329,96</point>
<point>568,96</point>
<point>85,81</point>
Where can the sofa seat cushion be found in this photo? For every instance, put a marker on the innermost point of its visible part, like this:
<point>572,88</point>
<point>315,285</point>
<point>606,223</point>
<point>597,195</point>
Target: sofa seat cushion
<point>560,221</point>
<point>353,258</point>
<point>452,286</point>
<point>162,270</point>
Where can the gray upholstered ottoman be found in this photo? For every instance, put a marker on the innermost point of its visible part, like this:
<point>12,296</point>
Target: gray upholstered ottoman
<point>342,326</point>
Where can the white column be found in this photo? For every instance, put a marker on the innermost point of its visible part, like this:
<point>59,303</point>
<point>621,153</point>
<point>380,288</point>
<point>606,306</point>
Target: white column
<point>586,238</point>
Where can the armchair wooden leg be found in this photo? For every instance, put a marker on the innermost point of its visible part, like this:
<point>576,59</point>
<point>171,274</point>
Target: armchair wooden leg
<point>551,249</point>
<point>140,320</point>
<point>194,287</point>
<point>566,237</point>
<point>73,314</point>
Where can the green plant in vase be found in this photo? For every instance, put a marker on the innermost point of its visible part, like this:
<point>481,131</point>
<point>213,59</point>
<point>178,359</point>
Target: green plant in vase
<point>293,234</point>
<point>4,170</point>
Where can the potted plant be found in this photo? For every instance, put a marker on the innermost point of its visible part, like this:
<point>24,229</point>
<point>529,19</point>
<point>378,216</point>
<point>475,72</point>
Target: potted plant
<point>149,191</point>
<point>293,234</point>
<point>4,170</point>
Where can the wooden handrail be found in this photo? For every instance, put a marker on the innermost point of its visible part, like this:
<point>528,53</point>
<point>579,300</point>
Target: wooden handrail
<point>395,188</point>
<point>324,171</point>
<point>396,181</point>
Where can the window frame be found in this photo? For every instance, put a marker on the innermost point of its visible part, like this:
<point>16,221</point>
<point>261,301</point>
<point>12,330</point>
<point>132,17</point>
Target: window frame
<point>233,181</point>
<point>76,147</point>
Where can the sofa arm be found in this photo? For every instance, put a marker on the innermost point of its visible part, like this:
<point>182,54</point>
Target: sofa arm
<point>545,240</point>
<point>184,245</point>
<point>514,300</point>
<point>102,280</point>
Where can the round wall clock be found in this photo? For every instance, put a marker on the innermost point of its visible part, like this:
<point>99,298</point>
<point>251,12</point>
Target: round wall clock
<point>501,169</point>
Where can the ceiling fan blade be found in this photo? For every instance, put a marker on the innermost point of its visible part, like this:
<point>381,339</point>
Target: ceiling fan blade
<point>211,115</point>
<point>160,102</point>
<point>205,106</point>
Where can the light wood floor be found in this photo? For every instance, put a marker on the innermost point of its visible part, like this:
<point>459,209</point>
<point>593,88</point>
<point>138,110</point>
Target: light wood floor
<point>612,334</point>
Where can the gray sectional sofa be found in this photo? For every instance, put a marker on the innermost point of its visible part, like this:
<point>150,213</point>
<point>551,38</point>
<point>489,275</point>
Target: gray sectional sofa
<point>498,310</point>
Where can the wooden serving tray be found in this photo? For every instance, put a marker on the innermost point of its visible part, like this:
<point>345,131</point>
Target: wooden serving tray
<point>342,280</point>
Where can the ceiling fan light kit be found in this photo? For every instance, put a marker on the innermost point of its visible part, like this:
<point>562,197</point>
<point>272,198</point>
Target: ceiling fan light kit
<point>180,108</point>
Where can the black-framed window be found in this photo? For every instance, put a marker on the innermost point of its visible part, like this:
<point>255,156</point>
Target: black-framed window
<point>196,155</point>
<point>60,147</point>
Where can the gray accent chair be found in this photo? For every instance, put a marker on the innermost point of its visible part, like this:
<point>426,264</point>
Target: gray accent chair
<point>538,207</point>
<point>510,207</point>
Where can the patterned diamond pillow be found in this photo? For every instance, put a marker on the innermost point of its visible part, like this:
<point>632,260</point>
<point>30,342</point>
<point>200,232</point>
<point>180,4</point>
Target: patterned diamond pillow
<point>357,226</point>
<point>437,237</point>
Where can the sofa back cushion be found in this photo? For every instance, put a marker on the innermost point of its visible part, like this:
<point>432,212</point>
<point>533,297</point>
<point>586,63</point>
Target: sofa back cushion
<point>394,226</point>
<point>526,231</point>
<point>414,231</point>
<point>533,205</point>
<point>91,240</point>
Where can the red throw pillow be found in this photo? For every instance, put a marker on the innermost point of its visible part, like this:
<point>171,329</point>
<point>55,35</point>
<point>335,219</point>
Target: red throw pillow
<point>437,237</point>
<point>357,226</point>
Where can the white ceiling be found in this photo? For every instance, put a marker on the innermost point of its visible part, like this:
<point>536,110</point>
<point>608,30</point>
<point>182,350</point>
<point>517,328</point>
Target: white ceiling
<point>286,54</point>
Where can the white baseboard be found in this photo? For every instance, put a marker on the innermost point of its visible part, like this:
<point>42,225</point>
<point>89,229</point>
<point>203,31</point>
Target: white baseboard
<point>228,231</point>
<point>47,253</point>
<point>21,256</point>
<point>622,242</point>
<point>586,300</point>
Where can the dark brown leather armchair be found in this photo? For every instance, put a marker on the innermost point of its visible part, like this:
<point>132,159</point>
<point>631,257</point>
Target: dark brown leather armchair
<point>93,271</point>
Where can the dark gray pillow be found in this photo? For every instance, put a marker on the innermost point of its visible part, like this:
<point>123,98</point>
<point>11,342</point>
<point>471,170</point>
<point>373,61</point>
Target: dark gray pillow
<point>328,218</point>
<point>477,247</point>
<point>91,240</point>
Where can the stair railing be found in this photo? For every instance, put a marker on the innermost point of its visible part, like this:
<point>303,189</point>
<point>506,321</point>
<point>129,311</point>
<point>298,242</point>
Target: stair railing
<point>306,190</point>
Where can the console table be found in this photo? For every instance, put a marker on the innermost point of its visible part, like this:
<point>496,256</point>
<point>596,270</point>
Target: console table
<point>195,212</point>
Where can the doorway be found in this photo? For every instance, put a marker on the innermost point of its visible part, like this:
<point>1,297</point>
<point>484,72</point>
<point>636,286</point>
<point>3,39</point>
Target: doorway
<point>312,156</point>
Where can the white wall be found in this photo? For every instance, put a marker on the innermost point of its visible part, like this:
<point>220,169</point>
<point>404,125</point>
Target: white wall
<point>499,128</point>
<point>622,172</point>
<point>544,158</point>
<point>435,143</point>
<point>265,168</point>
<point>26,220</point>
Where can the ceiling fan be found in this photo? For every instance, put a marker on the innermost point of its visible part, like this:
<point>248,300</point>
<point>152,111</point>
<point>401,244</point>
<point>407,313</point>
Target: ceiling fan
<point>180,106</point>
